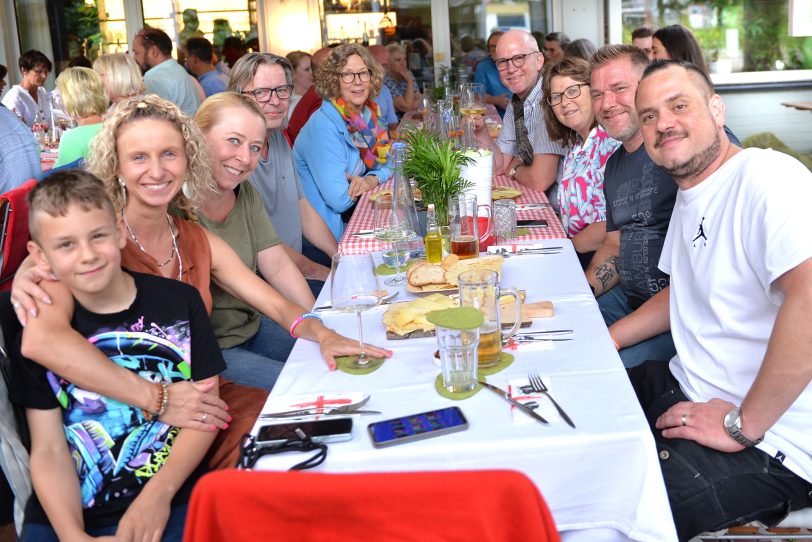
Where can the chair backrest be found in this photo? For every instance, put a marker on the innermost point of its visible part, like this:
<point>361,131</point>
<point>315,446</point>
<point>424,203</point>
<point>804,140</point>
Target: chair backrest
<point>14,234</point>
<point>486,506</point>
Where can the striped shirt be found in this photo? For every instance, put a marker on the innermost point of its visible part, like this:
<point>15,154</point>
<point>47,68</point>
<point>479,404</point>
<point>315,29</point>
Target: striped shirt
<point>536,129</point>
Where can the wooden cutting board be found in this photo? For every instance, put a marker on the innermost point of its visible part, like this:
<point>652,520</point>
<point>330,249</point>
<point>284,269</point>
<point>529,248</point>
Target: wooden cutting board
<point>537,309</point>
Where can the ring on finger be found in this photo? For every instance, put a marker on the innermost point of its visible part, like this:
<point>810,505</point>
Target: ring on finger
<point>15,304</point>
<point>205,416</point>
<point>684,419</point>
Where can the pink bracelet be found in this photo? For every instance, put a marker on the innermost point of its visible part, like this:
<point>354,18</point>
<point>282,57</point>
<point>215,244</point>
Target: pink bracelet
<point>299,321</point>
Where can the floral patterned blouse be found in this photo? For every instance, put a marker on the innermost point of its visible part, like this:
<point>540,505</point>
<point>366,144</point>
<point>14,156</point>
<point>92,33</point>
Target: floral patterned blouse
<point>581,191</point>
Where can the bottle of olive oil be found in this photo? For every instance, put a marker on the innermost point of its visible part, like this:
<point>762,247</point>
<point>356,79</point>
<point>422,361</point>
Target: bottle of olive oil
<point>433,240</point>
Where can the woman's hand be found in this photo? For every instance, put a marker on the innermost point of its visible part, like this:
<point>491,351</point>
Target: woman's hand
<point>333,345</point>
<point>187,403</point>
<point>359,185</point>
<point>25,289</point>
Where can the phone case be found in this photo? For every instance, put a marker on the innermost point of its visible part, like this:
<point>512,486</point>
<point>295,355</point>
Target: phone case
<point>417,427</point>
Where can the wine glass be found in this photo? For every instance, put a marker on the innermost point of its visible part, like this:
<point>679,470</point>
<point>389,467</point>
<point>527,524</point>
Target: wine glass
<point>354,288</point>
<point>472,99</point>
<point>392,228</point>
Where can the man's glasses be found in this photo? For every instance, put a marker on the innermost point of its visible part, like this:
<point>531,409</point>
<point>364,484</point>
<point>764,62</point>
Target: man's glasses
<point>570,92</point>
<point>263,95</point>
<point>517,60</point>
<point>349,77</point>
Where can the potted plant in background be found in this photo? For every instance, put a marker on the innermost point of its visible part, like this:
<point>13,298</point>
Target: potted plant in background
<point>435,164</point>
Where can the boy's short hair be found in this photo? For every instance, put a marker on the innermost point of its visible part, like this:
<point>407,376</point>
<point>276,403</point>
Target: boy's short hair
<point>54,195</point>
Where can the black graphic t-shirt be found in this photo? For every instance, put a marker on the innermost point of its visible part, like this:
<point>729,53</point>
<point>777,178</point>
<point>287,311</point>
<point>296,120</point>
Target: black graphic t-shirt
<point>164,335</point>
<point>639,199</point>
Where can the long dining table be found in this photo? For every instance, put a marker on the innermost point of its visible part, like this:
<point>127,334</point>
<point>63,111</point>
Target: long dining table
<point>602,480</point>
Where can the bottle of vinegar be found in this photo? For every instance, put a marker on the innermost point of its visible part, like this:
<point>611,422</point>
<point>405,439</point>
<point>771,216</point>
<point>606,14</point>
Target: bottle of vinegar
<point>433,240</point>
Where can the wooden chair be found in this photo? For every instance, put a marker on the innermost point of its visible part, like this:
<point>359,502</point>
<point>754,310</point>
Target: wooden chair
<point>486,506</point>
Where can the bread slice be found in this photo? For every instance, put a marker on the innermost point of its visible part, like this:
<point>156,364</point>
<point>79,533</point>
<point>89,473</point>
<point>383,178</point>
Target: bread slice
<point>426,273</point>
<point>493,263</point>
<point>449,261</point>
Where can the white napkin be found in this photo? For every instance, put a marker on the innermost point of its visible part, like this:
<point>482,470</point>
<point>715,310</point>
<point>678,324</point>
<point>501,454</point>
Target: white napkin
<point>317,402</point>
<point>545,407</point>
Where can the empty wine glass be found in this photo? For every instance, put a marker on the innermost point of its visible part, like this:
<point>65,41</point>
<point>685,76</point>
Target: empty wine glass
<point>391,228</point>
<point>354,288</point>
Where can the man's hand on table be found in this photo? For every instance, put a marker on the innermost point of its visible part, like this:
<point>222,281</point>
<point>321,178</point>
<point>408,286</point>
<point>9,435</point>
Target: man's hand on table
<point>703,424</point>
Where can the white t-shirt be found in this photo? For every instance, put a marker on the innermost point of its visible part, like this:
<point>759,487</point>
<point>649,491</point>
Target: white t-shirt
<point>730,238</point>
<point>20,101</point>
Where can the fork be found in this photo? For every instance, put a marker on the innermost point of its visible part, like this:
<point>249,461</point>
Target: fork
<point>538,386</point>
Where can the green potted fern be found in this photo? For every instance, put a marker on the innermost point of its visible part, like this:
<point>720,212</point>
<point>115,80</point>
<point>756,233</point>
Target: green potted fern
<point>435,165</point>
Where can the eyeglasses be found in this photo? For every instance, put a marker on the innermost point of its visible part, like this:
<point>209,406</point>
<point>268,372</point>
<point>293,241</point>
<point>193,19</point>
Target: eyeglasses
<point>263,95</point>
<point>250,452</point>
<point>517,60</point>
<point>349,77</point>
<point>570,92</point>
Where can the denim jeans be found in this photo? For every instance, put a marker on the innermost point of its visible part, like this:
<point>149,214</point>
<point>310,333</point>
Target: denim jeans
<point>259,360</point>
<point>173,532</point>
<point>614,305</point>
<point>710,490</point>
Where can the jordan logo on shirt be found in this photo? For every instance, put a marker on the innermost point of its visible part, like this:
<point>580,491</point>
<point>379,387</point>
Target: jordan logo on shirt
<point>700,234</point>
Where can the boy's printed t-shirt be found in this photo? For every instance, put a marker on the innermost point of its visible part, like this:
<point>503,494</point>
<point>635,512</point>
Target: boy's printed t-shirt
<point>164,335</point>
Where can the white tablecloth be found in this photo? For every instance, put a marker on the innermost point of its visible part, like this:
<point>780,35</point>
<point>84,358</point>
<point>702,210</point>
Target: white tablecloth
<point>602,475</point>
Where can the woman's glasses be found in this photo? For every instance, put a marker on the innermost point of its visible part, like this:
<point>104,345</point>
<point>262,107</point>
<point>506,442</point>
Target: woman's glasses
<point>517,60</point>
<point>263,95</point>
<point>349,77</point>
<point>570,92</point>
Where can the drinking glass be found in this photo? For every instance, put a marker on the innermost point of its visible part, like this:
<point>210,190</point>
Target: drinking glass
<point>467,228</point>
<point>479,288</point>
<point>504,220</point>
<point>472,99</point>
<point>392,229</point>
<point>458,357</point>
<point>354,288</point>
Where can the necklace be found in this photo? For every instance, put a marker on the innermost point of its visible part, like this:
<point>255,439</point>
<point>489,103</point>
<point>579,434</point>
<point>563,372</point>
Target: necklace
<point>174,252</point>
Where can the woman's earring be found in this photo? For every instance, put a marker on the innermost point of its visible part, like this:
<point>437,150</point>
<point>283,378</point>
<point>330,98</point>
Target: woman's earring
<point>186,190</point>
<point>123,190</point>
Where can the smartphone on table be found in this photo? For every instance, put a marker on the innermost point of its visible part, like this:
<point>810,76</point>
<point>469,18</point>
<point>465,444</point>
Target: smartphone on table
<point>329,430</point>
<point>539,223</point>
<point>417,427</point>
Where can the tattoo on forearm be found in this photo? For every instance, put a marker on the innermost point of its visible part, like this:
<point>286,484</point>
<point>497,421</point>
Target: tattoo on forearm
<point>607,270</point>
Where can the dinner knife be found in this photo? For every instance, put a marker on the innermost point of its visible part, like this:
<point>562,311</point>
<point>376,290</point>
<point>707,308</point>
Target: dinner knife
<point>506,396</point>
<point>306,413</point>
<point>385,300</point>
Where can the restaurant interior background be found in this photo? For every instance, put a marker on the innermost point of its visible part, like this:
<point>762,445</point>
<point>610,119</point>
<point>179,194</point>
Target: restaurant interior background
<point>755,60</point>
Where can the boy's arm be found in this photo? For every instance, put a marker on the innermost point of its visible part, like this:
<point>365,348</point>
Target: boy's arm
<point>54,474</point>
<point>146,517</point>
<point>50,340</point>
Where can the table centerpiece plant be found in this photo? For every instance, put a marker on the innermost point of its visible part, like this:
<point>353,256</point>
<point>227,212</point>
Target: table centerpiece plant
<point>435,164</point>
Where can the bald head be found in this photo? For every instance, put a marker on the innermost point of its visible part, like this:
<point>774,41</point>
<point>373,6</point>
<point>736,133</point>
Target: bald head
<point>521,38</point>
<point>522,70</point>
<point>319,57</point>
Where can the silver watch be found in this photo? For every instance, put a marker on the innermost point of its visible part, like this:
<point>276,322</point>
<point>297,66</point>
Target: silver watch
<point>733,426</point>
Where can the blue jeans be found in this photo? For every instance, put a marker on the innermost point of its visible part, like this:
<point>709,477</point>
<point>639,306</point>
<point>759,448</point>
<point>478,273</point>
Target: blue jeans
<point>710,490</point>
<point>173,532</point>
<point>259,360</point>
<point>614,305</point>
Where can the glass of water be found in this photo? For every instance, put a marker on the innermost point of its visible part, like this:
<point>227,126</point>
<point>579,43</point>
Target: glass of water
<point>504,220</point>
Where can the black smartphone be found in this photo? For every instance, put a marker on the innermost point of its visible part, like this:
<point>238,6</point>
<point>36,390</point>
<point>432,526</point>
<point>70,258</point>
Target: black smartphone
<point>328,430</point>
<point>540,223</point>
<point>417,427</point>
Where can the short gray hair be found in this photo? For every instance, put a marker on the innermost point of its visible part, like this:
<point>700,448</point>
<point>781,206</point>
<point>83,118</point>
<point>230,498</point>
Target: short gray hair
<point>244,70</point>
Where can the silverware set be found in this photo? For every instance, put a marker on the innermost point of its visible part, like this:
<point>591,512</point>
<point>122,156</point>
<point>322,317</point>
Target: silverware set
<point>538,386</point>
<point>553,335</point>
<point>345,410</point>
<point>385,300</point>
<point>502,251</point>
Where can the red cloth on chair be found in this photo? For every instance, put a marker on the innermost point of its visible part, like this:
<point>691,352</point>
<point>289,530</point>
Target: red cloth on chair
<point>464,506</point>
<point>15,231</point>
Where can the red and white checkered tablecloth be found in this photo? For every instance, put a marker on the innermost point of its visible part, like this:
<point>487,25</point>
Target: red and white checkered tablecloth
<point>47,159</point>
<point>362,220</point>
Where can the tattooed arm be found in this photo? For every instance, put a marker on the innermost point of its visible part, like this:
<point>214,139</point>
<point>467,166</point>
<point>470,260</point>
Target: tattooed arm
<point>603,272</point>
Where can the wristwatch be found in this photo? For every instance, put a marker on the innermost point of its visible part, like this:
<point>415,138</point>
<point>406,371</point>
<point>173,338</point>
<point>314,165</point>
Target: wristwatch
<point>512,172</point>
<point>733,426</point>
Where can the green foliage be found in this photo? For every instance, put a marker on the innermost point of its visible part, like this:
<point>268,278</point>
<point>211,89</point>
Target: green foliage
<point>82,22</point>
<point>435,164</point>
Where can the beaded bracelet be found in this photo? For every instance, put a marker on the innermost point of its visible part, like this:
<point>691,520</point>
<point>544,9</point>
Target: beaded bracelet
<point>299,321</point>
<point>161,404</point>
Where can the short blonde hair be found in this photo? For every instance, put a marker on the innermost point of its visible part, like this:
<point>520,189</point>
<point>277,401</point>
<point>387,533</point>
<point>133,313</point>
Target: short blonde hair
<point>328,81</point>
<point>121,75</point>
<point>103,160</point>
<point>208,114</point>
<point>82,92</point>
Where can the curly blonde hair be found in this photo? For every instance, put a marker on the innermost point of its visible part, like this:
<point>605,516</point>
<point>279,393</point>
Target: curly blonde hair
<point>103,160</point>
<point>328,84</point>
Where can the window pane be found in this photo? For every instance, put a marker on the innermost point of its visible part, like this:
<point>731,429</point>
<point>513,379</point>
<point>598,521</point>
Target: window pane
<point>735,35</point>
